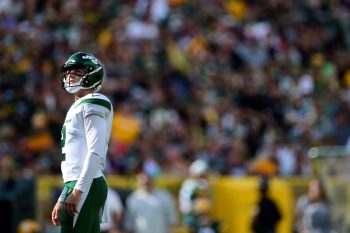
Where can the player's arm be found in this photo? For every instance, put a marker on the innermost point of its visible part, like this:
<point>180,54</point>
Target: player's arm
<point>96,130</point>
<point>62,195</point>
<point>55,214</point>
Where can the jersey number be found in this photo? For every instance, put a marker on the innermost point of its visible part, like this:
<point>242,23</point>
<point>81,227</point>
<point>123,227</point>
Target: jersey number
<point>63,136</point>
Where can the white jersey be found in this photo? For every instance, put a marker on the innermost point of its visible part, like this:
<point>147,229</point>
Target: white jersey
<point>76,139</point>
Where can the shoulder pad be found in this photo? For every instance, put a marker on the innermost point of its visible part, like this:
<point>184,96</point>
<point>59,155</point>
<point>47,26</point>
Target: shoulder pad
<point>98,102</point>
<point>96,106</point>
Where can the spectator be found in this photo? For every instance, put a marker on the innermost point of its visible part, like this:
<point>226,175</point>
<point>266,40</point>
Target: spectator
<point>195,200</point>
<point>149,209</point>
<point>313,210</point>
<point>267,214</point>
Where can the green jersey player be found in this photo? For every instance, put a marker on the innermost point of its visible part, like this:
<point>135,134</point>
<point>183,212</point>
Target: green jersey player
<point>84,142</point>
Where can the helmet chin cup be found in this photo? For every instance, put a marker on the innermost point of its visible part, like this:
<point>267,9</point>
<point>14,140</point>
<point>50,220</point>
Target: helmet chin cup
<point>73,89</point>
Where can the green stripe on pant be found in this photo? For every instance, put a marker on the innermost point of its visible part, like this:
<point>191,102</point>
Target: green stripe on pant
<point>88,220</point>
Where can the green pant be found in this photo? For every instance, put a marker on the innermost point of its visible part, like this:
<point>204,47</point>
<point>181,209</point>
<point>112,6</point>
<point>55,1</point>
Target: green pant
<point>88,220</point>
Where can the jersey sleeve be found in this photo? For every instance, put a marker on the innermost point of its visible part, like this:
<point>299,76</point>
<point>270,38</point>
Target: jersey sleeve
<point>95,127</point>
<point>95,113</point>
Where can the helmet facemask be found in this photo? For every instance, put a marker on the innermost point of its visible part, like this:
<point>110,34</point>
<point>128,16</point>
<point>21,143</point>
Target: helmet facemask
<point>68,82</point>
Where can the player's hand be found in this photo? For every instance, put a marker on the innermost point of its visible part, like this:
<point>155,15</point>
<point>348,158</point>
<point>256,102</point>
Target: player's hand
<point>72,202</point>
<point>56,213</point>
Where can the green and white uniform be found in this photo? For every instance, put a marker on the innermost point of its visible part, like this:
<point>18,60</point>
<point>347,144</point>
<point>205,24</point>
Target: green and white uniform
<point>85,136</point>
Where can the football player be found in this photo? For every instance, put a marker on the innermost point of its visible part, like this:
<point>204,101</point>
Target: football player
<point>84,141</point>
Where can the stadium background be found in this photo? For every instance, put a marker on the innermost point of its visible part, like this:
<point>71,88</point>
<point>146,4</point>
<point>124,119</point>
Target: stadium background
<point>250,86</point>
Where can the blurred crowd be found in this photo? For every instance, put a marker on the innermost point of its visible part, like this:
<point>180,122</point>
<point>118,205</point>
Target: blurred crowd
<point>247,85</point>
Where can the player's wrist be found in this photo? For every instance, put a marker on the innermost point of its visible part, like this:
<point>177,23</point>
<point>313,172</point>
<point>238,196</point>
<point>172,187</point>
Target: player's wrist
<point>77,191</point>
